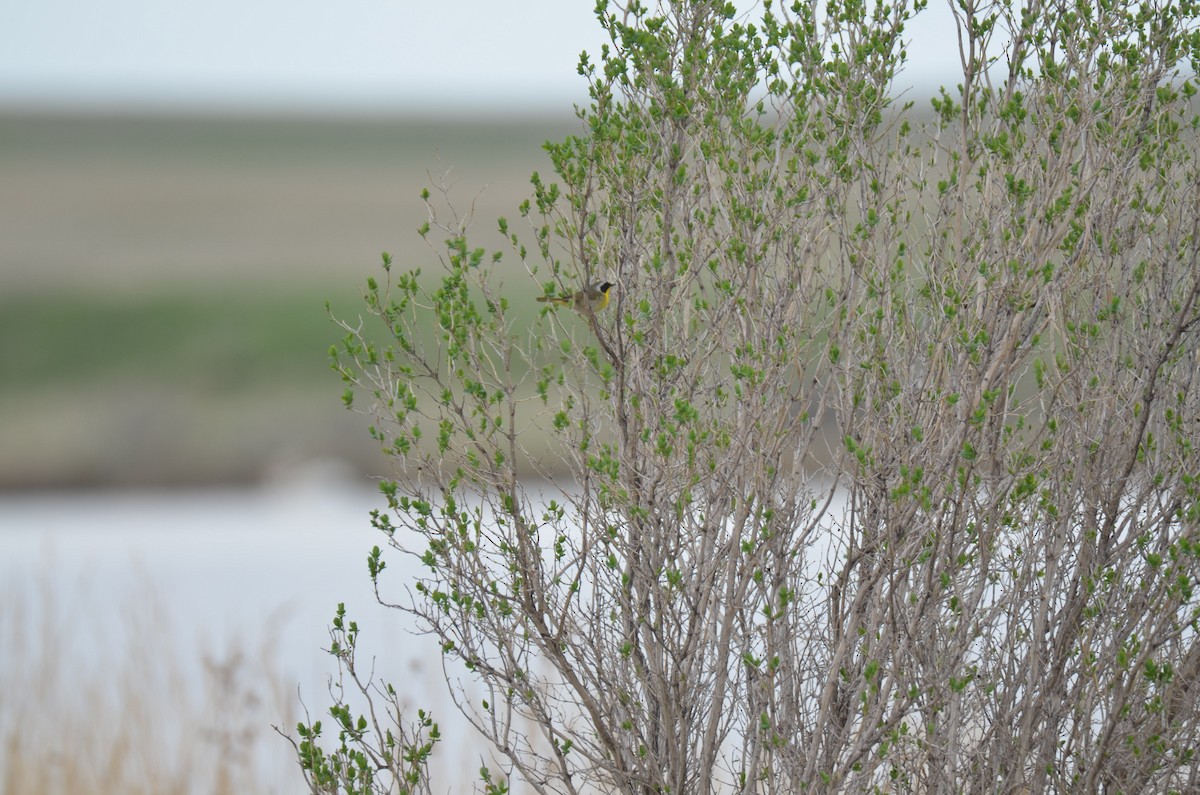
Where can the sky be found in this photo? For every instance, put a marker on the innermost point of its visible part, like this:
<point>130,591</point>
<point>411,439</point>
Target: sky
<point>353,55</point>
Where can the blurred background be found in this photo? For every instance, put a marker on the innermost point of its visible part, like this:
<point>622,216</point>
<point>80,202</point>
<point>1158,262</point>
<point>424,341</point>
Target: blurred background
<point>183,185</point>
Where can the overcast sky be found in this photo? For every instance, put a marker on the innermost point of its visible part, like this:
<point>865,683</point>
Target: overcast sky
<point>322,55</point>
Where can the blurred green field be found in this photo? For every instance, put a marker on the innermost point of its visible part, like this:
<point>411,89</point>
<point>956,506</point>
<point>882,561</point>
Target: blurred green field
<point>212,342</point>
<point>163,283</point>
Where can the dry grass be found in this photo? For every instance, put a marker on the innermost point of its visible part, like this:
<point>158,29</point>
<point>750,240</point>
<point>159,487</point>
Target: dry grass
<point>115,706</point>
<point>94,204</point>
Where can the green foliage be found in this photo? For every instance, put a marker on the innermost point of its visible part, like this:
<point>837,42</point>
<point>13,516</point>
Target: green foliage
<point>368,757</point>
<point>209,341</point>
<point>897,412</point>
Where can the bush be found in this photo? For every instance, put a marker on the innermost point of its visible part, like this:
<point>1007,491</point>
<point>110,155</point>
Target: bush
<point>878,472</point>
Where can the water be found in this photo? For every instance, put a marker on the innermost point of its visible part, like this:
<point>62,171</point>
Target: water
<point>223,563</point>
<point>109,587</point>
<point>93,584</point>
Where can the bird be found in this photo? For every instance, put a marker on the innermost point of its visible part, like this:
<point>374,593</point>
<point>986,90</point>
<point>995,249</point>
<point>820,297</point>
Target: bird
<point>594,296</point>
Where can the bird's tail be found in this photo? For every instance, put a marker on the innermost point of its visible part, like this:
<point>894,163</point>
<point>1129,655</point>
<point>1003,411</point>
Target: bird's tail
<point>554,300</point>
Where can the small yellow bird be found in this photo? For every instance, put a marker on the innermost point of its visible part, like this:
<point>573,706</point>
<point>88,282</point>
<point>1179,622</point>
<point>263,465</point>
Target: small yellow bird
<point>594,295</point>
